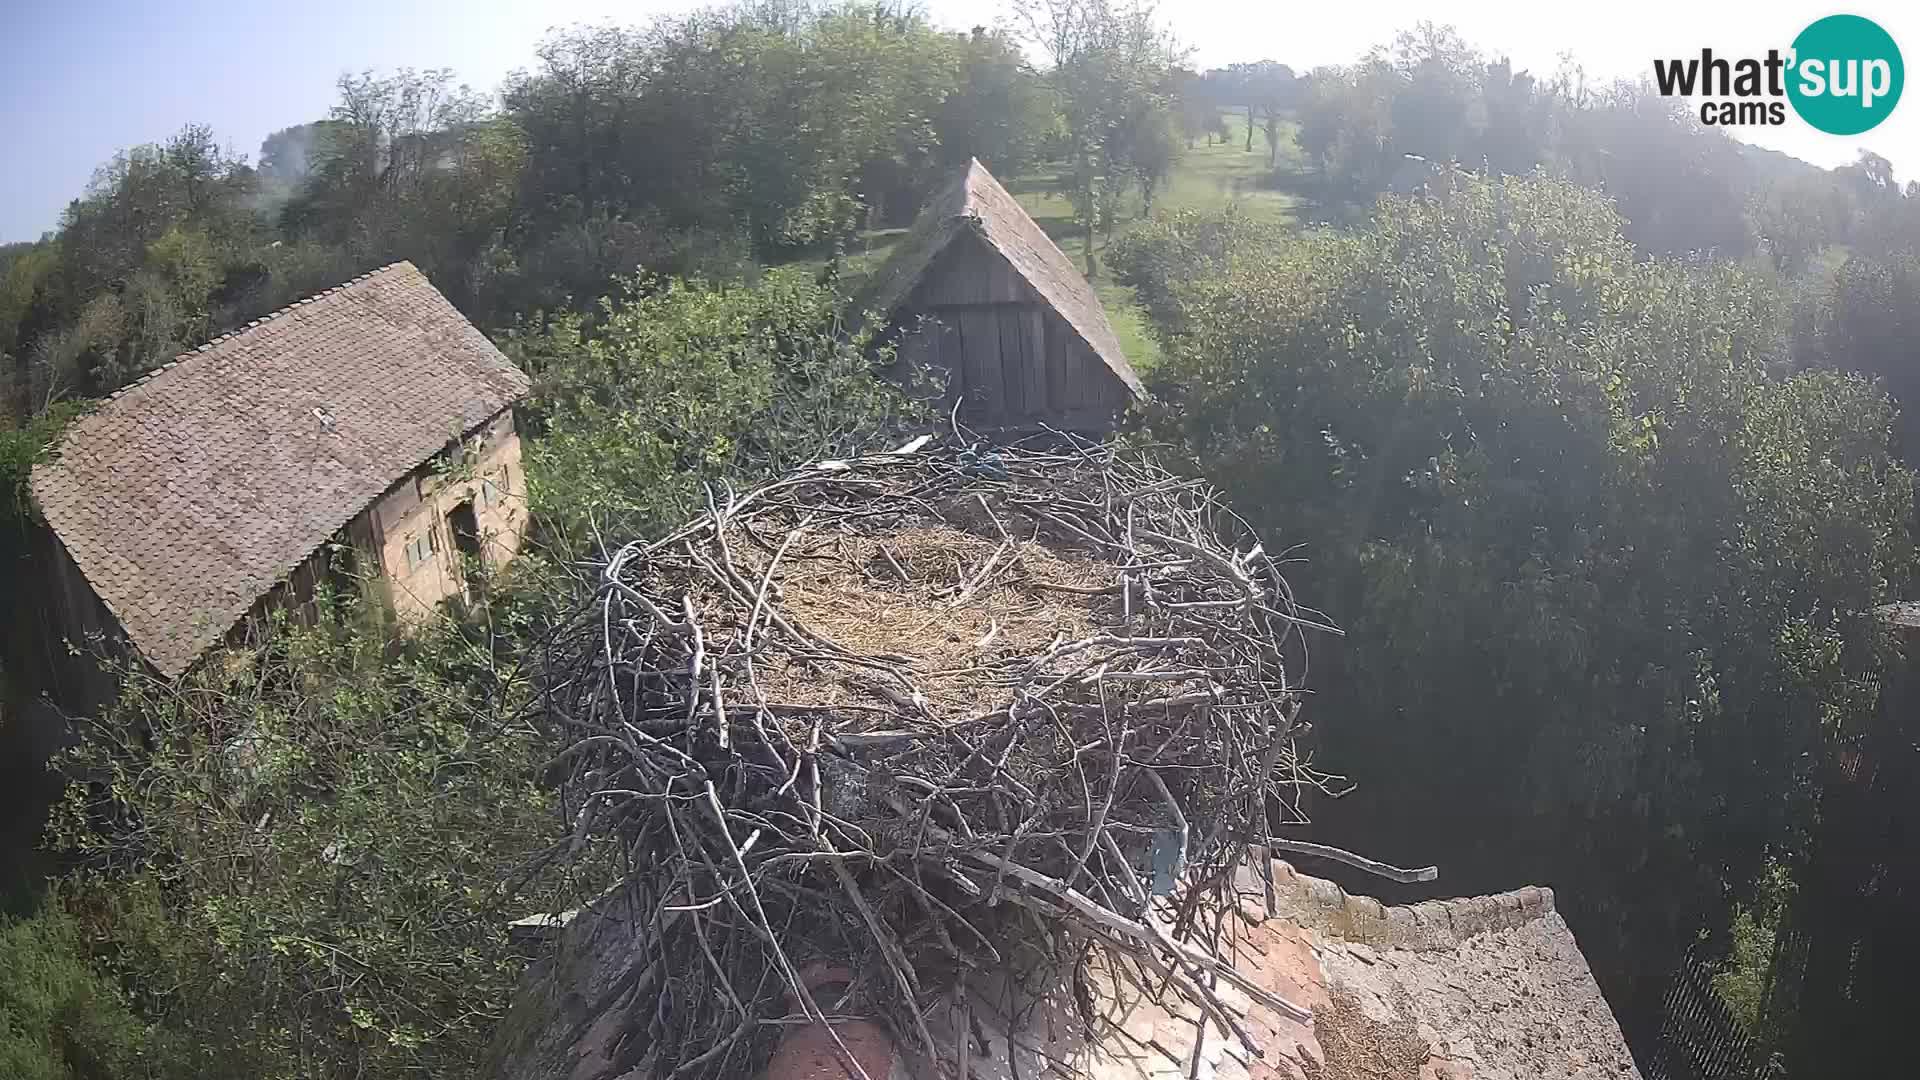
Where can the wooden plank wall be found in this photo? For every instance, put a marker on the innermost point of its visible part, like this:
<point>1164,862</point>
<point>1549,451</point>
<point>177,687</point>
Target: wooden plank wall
<point>1010,359</point>
<point>70,615</point>
<point>298,592</point>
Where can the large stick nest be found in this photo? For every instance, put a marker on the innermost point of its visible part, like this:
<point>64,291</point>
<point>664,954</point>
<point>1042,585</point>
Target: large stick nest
<point>916,715</point>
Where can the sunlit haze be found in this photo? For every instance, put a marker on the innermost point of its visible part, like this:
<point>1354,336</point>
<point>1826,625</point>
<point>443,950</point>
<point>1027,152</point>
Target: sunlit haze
<point>82,81</point>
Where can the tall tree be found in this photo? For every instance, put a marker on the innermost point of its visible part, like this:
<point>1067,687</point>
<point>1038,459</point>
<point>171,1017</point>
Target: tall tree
<point>1265,89</point>
<point>998,109</point>
<point>1607,569</point>
<point>1111,70</point>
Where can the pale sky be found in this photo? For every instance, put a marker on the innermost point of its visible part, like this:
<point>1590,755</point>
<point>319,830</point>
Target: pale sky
<point>80,81</point>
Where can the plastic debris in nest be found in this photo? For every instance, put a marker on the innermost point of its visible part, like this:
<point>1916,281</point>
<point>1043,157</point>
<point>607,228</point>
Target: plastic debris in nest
<point>927,713</point>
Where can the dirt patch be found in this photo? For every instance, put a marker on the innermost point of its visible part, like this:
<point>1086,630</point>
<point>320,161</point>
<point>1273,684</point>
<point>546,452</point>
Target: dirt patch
<point>1358,1047</point>
<point>957,608</point>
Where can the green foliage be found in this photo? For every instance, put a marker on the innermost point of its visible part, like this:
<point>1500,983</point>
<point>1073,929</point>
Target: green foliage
<point>790,127</point>
<point>1267,91</point>
<point>1114,85</point>
<point>1604,557</point>
<point>20,279</point>
<point>998,111</point>
<point>1745,980</point>
<point>408,165</point>
<point>1864,320</point>
<point>60,1019</point>
<point>1431,99</point>
<point>135,274</point>
<point>1159,257</point>
<point>1607,576</point>
<point>20,450</point>
<point>677,384</point>
<point>306,852</point>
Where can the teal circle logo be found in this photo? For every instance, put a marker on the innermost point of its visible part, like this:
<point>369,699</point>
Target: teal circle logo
<point>1847,74</point>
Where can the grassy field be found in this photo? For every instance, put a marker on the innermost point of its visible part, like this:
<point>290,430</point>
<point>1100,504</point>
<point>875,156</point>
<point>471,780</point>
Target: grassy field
<point>1208,177</point>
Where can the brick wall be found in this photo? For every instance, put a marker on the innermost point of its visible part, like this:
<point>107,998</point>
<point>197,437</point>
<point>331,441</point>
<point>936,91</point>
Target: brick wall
<point>417,510</point>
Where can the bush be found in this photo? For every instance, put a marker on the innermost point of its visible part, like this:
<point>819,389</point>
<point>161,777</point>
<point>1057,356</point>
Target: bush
<point>307,852</point>
<point>1159,257</point>
<point>676,384</point>
<point>59,1018</point>
<point>20,450</point>
<point>1607,577</point>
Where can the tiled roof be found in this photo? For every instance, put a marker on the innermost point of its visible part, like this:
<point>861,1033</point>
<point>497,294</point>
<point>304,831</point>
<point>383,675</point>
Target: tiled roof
<point>1476,988</point>
<point>189,494</point>
<point>1481,988</point>
<point>975,200</point>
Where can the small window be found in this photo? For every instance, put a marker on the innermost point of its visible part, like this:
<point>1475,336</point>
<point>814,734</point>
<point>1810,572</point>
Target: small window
<point>420,549</point>
<point>495,489</point>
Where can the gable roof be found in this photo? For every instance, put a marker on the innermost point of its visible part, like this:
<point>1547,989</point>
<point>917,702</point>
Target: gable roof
<point>189,494</point>
<point>975,201</point>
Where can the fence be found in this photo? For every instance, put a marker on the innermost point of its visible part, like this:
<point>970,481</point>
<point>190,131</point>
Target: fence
<point>1699,1037</point>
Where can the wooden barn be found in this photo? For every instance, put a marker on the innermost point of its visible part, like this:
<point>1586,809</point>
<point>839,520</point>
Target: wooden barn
<point>979,294</point>
<point>365,435</point>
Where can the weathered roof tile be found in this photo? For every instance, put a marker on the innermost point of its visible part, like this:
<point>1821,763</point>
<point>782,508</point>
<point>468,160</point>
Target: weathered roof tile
<point>975,200</point>
<point>191,492</point>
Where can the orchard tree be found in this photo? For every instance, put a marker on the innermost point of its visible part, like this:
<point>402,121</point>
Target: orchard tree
<point>1112,71</point>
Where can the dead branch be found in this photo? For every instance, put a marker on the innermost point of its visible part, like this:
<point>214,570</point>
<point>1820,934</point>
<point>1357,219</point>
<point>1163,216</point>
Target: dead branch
<point>956,678</point>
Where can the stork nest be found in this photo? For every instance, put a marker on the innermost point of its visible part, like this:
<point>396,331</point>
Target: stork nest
<point>915,715</point>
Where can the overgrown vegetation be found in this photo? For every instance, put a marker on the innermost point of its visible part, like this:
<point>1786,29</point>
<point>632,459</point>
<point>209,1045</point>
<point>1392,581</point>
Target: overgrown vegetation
<point>20,449</point>
<point>674,385</point>
<point>305,855</point>
<point>1550,487</point>
<point>60,1019</point>
<point>1576,429</point>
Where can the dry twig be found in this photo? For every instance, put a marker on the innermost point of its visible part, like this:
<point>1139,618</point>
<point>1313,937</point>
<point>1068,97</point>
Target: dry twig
<point>870,716</point>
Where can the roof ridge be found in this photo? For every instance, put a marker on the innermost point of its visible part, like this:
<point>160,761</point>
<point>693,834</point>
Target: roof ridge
<point>211,452</point>
<point>1428,926</point>
<point>207,346</point>
<point>974,198</point>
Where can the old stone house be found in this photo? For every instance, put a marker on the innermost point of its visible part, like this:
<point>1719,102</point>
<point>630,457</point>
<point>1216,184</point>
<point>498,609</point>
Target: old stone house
<point>979,294</point>
<point>364,435</point>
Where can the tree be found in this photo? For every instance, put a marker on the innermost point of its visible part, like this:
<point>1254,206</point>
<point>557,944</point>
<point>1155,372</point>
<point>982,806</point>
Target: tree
<point>1867,323</point>
<point>675,384</point>
<point>1265,89</point>
<point>1437,111</point>
<point>1195,109</point>
<point>998,111</point>
<point>1681,187</point>
<point>1873,174</point>
<point>1346,129</point>
<point>1111,69</point>
<point>307,851</point>
<point>1152,150</point>
<point>21,282</point>
<point>132,272</point>
<point>1796,219</point>
<point>1607,574</point>
<point>788,124</point>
